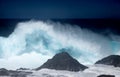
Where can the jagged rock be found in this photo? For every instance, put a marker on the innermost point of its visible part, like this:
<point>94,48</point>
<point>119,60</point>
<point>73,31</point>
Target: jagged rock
<point>106,76</point>
<point>110,60</point>
<point>63,61</point>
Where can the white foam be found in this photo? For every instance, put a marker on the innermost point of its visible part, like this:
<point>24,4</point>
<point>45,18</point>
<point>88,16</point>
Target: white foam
<point>46,38</point>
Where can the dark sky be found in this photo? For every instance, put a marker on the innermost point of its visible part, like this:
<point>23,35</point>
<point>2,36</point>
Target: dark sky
<point>59,9</point>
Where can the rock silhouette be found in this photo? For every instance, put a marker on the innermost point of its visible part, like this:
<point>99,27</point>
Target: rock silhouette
<point>110,60</point>
<point>63,61</point>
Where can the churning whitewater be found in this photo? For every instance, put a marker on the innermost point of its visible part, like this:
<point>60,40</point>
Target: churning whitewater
<point>33,42</point>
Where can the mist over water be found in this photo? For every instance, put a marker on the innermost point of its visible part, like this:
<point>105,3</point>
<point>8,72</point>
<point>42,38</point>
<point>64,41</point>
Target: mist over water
<point>33,42</point>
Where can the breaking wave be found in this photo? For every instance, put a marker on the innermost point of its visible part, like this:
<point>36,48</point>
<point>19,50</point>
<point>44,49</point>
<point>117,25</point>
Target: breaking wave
<point>33,42</point>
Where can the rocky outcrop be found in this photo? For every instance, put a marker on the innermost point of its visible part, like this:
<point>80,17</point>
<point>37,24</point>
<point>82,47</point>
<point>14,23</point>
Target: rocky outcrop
<point>63,61</point>
<point>4,72</point>
<point>11,73</point>
<point>110,60</point>
<point>106,76</point>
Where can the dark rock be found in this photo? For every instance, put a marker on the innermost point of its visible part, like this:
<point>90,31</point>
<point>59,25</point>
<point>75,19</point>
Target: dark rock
<point>110,60</point>
<point>106,76</point>
<point>4,72</point>
<point>19,73</point>
<point>63,61</point>
<point>23,69</point>
<point>13,73</point>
